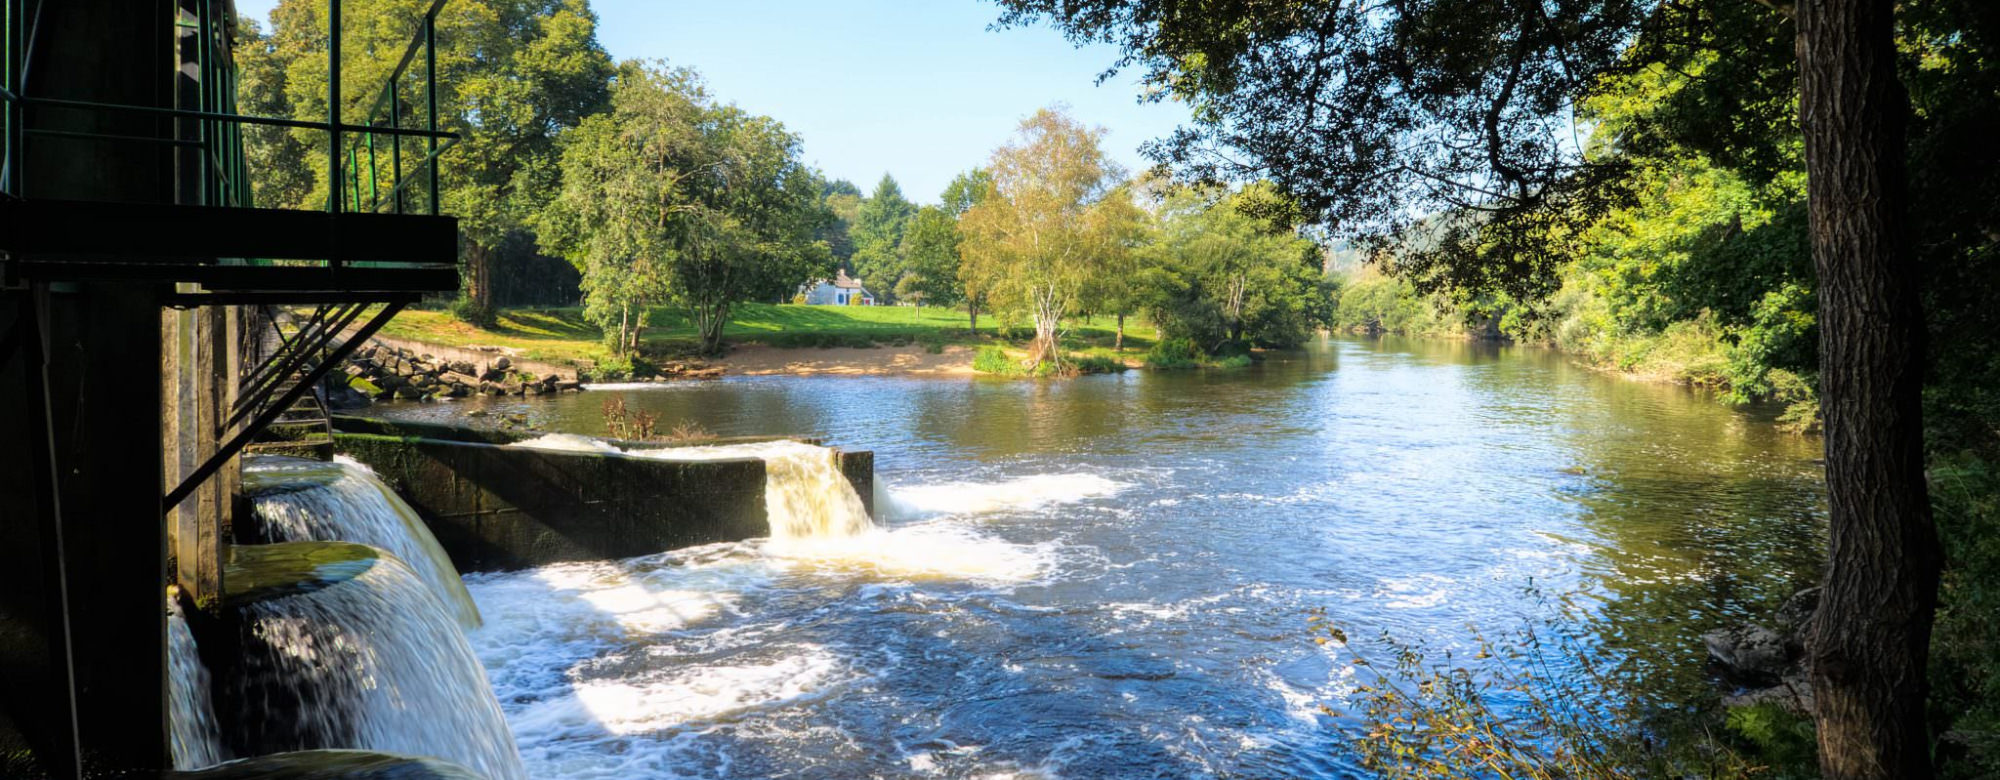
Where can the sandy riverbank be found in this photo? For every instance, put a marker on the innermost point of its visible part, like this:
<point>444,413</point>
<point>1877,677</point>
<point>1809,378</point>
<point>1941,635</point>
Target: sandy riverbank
<point>762,360</point>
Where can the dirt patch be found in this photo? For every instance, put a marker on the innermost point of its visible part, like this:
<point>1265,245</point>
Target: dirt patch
<point>760,360</point>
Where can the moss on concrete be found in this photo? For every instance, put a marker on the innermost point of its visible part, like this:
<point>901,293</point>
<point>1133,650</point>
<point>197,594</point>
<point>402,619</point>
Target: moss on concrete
<point>257,572</point>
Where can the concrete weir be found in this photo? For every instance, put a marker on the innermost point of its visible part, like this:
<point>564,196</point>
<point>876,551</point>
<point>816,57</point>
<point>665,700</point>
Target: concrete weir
<point>494,507</point>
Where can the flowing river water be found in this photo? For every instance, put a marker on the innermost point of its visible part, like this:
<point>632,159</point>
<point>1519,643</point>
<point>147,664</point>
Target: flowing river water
<point>1112,576</point>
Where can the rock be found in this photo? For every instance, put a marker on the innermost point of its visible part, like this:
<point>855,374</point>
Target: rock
<point>1798,611</point>
<point>502,363</point>
<point>569,387</point>
<point>1750,652</point>
<point>493,375</point>
<point>459,391</point>
<point>456,378</point>
<point>461,367</point>
<point>391,381</point>
<point>1793,692</point>
<point>410,393</point>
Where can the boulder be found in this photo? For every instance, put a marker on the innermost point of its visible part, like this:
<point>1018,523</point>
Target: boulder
<point>1750,652</point>
<point>409,393</point>
<point>502,363</point>
<point>462,367</point>
<point>456,378</point>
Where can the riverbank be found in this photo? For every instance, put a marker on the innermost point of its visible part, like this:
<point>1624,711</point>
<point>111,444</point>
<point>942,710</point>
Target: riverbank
<point>762,339</point>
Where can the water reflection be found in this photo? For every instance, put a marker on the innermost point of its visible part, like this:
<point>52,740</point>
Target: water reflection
<point>1412,486</point>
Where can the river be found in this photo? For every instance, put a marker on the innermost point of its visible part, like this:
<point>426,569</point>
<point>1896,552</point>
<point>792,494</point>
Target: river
<point>1111,576</point>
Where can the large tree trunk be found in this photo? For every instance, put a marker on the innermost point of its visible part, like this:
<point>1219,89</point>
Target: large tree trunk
<point>1868,644</point>
<point>479,273</point>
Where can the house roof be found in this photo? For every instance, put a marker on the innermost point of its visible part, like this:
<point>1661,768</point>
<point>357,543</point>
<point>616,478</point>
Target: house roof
<point>841,279</point>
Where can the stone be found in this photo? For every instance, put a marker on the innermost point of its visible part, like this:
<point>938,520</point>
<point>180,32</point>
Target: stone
<point>502,363</point>
<point>1750,652</point>
<point>409,393</point>
<point>456,378</point>
<point>1798,611</point>
<point>462,367</point>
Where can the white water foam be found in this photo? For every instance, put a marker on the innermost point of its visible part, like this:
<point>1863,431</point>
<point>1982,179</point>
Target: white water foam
<point>805,494</point>
<point>1024,493</point>
<point>567,442</point>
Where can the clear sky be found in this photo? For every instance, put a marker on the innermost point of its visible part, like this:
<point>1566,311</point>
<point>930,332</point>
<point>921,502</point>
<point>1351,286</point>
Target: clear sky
<point>920,89</point>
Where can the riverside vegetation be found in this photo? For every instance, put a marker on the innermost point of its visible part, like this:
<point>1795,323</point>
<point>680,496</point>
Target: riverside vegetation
<point>1670,233</point>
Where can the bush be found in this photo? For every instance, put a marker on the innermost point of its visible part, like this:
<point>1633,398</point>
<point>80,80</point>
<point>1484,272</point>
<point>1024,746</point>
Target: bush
<point>1174,353</point>
<point>471,312</point>
<point>994,360</point>
<point>1234,361</point>
<point>1095,364</point>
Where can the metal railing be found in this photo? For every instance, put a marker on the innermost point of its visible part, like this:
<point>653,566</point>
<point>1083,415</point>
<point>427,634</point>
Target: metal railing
<point>358,155</point>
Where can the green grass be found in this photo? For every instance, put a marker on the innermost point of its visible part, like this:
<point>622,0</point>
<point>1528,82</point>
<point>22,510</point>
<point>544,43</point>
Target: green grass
<point>562,335</point>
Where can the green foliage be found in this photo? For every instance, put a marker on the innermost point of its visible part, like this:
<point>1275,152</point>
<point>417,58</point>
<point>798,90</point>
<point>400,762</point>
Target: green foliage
<point>1778,737</point>
<point>877,233</point>
<point>1095,364</point>
<point>930,260</point>
<point>1175,353</point>
<point>1374,302</point>
<point>472,312</point>
<point>1965,644</point>
<point>672,197</point>
<point>992,359</point>
<point>1223,270</point>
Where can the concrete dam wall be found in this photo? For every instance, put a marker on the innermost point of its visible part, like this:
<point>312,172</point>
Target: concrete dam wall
<point>497,507</point>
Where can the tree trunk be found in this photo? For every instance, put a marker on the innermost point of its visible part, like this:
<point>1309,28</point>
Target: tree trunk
<point>479,274</point>
<point>1118,344</point>
<point>1868,643</point>
<point>972,311</point>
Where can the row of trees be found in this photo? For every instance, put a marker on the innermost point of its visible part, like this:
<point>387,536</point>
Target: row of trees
<point>658,193</point>
<point>1050,228</point>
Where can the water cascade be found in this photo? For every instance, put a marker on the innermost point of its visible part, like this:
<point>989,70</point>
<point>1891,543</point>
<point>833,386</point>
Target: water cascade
<point>337,645</point>
<point>805,494</point>
<point>191,709</point>
<point>300,500</point>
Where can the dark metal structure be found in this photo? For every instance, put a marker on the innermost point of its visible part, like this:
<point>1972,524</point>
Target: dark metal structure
<point>130,246</point>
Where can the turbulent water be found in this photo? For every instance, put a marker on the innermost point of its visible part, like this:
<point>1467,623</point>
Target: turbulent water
<point>191,721</point>
<point>1112,576</point>
<point>373,663</point>
<point>300,500</point>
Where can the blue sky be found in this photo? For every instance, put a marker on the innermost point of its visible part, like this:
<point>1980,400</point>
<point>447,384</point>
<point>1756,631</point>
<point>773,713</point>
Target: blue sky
<point>920,90</point>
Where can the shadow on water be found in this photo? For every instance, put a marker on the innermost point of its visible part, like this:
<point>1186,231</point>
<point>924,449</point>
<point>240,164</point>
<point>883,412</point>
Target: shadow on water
<point>1415,487</point>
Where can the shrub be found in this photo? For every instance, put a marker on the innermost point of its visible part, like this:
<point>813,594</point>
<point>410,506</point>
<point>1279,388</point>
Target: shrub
<point>1095,364</point>
<point>471,312</point>
<point>1234,361</point>
<point>1174,353</point>
<point>993,360</point>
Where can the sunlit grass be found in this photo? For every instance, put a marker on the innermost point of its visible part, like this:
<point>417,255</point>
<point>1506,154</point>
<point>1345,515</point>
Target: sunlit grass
<point>562,335</point>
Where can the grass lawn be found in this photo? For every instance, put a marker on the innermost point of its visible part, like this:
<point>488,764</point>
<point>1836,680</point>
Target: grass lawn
<point>561,335</point>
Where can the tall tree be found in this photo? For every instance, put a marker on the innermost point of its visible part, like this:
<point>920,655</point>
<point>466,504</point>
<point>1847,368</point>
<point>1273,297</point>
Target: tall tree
<point>930,259</point>
<point>965,191</point>
<point>877,232</point>
<point>512,76</point>
<point>669,197</point>
<point>1370,113</point>
<point>1055,218</point>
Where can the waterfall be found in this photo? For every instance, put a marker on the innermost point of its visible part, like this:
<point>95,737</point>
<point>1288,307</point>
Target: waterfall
<point>300,500</point>
<point>363,658</point>
<point>805,494</point>
<point>190,708</point>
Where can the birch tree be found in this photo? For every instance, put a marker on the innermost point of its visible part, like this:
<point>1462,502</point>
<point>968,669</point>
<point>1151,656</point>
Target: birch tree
<point>1055,218</point>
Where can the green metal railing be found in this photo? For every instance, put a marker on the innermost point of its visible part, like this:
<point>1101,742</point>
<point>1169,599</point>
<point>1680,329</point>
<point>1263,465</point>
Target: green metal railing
<point>367,167</point>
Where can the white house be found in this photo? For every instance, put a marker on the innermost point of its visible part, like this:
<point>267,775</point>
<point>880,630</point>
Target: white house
<point>838,291</point>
